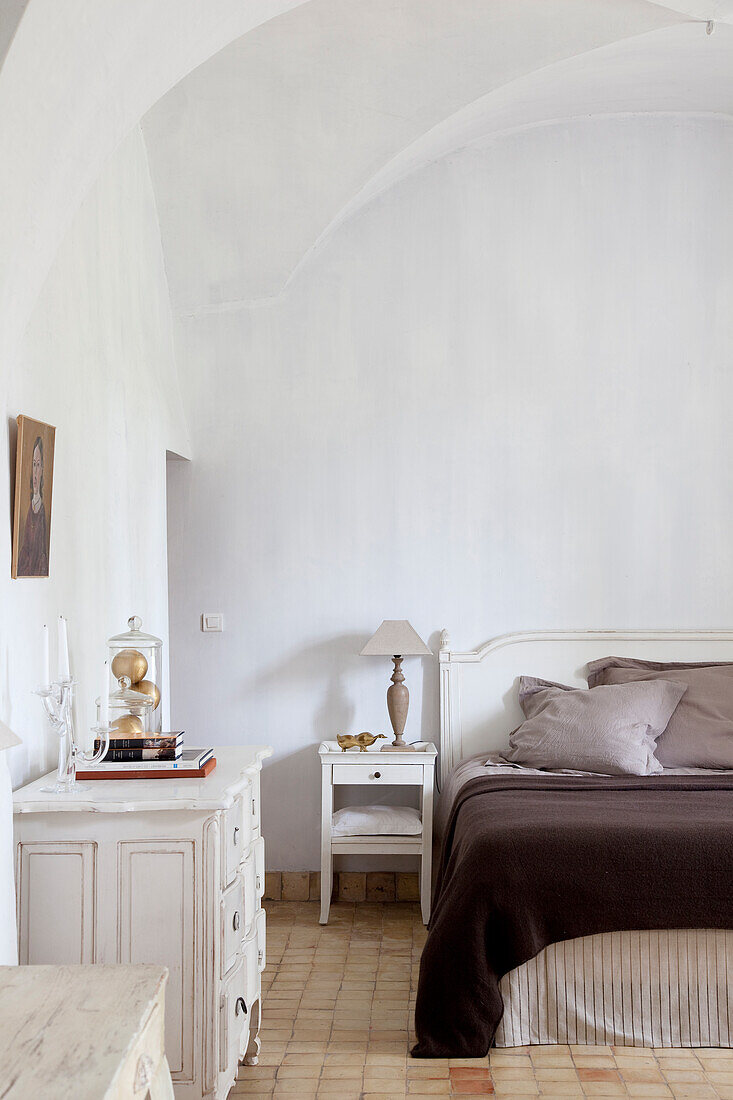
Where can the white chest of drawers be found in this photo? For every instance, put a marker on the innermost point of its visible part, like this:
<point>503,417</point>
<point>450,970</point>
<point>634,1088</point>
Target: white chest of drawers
<point>157,871</point>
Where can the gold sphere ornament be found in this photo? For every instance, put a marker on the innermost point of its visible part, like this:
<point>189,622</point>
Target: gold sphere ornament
<point>147,687</point>
<point>127,725</point>
<point>130,663</point>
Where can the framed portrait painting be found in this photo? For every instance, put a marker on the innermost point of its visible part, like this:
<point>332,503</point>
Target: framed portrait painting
<point>33,498</point>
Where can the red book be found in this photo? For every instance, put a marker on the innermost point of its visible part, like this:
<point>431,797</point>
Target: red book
<point>150,773</point>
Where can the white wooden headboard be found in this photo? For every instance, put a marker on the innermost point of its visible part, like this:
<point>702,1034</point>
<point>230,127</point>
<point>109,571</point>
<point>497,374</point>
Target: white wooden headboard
<point>478,690</point>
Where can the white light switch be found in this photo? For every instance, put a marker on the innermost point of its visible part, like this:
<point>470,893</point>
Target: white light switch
<point>212,621</point>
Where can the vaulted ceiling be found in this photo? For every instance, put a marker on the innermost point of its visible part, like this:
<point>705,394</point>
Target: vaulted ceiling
<point>279,118</point>
<point>75,77</point>
<point>261,152</point>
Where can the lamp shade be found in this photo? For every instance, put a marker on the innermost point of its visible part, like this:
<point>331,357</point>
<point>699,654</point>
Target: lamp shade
<point>395,637</point>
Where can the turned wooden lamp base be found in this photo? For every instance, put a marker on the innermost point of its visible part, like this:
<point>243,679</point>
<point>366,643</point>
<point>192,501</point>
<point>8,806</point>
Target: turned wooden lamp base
<point>398,701</point>
<point>396,635</point>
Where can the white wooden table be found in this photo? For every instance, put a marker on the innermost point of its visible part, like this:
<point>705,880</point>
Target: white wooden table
<point>83,1033</point>
<point>376,769</point>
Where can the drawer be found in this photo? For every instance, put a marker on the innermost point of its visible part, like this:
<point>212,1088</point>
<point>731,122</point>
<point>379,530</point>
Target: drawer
<point>378,775</point>
<point>259,849</point>
<point>237,832</point>
<point>261,926</point>
<point>251,902</point>
<point>250,950</point>
<point>233,1020</point>
<point>233,921</point>
<point>254,799</point>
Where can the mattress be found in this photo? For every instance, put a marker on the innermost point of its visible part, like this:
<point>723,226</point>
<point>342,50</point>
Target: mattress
<point>651,988</point>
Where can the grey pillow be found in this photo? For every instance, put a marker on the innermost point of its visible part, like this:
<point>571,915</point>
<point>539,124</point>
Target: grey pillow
<point>700,732</point>
<point>610,730</point>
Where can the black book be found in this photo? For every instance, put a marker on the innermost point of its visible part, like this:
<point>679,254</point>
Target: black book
<point>151,741</point>
<point>114,753</point>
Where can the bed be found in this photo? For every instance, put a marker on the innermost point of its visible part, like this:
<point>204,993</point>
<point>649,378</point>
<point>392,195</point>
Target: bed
<point>660,984</point>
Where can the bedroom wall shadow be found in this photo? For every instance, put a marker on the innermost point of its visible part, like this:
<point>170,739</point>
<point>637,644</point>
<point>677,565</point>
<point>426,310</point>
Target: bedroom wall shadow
<point>331,661</point>
<point>291,782</point>
<point>430,692</point>
<point>12,444</point>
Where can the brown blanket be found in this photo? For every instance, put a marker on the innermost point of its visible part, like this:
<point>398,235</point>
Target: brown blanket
<point>531,860</point>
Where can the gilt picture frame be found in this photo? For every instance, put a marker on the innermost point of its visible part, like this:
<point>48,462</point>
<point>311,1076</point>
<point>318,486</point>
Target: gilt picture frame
<point>33,498</point>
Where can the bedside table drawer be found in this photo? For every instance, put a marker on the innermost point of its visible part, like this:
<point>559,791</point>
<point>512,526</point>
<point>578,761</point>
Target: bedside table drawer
<point>377,774</point>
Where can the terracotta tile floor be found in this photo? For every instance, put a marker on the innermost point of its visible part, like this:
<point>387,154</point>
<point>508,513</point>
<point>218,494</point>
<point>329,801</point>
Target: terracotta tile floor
<point>338,1010</point>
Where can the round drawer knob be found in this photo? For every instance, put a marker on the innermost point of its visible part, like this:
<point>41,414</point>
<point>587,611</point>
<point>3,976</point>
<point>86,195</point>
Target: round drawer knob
<point>376,775</point>
<point>240,1007</point>
<point>235,921</point>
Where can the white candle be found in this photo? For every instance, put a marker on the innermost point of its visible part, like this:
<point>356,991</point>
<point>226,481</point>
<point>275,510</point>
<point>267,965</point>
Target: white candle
<point>104,698</point>
<point>46,661</point>
<point>63,650</point>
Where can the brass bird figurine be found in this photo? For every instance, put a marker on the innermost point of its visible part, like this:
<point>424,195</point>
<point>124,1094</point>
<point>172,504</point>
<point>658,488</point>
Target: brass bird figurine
<point>360,742</point>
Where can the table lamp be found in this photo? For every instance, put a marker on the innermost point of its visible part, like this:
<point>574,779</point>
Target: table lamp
<point>396,639</point>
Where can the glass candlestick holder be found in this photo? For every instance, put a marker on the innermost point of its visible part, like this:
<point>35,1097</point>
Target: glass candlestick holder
<point>58,699</point>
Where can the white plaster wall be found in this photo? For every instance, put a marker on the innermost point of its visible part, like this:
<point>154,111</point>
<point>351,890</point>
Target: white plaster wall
<point>97,361</point>
<point>77,77</point>
<point>498,399</point>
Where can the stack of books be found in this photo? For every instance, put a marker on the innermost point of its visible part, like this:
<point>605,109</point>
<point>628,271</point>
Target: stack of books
<point>150,756</point>
<point>143,747</point>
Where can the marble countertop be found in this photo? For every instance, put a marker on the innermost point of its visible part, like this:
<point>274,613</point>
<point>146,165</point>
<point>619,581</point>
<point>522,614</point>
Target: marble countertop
<point>70,1031</point>
<point>216,791</point>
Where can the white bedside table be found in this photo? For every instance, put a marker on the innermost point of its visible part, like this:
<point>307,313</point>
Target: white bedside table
<point>376,769</point>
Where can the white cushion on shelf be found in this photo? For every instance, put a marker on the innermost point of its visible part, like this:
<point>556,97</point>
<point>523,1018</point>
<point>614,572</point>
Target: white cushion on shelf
<point>377,820</point>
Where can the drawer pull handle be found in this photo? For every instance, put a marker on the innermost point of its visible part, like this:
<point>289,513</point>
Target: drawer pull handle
<point>143,1074</point>
<point>254,808</point>
<point>235,921</point>
<point>376,775</point>
<point>240,1006</point>
<point>259,957</point>
<point>236,834</point>
<point>258,884</point>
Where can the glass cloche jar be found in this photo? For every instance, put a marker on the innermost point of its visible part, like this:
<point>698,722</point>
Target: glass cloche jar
<point>136,656</point>
<point>130,711</point>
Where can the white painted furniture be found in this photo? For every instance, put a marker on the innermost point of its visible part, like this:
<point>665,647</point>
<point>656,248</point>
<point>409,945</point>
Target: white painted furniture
<point>662,988</point>
<point>376,769</point>
<point>83,1033</point>
<point>168,872</point>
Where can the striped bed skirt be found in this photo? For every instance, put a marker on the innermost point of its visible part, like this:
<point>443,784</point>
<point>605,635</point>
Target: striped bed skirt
<point>660,989</point>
